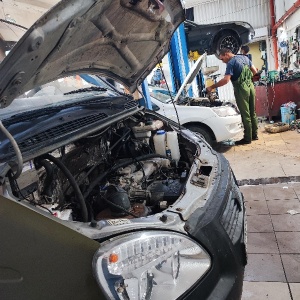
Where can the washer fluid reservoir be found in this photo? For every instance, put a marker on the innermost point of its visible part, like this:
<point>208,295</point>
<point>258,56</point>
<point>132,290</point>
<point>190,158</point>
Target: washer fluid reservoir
<point>159,140</point>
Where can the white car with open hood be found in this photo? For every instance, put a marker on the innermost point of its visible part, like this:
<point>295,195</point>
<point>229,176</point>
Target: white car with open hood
<point>101,198</point>
<point>214,119</point>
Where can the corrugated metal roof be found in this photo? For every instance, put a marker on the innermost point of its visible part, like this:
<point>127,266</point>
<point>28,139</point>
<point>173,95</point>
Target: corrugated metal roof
<point>255,12</point>
<point>292,23</point>
<point>282,6</point>
<point>192,3</point>
<point>288,4</point>
<point>279,9</point>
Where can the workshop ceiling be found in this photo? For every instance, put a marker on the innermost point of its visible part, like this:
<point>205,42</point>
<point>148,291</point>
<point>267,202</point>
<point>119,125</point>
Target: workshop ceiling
<point>23,13</point>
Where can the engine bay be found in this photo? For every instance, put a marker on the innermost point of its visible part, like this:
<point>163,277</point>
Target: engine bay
<point>210,101</point>
<point>118,172</point>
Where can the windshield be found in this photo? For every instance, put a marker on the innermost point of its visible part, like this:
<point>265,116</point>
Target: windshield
<point>72,84</point>
<point>161,94</point>
<point>61,90</point>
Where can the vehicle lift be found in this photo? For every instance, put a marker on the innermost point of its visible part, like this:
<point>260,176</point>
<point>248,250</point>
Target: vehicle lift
<point>178,64</point>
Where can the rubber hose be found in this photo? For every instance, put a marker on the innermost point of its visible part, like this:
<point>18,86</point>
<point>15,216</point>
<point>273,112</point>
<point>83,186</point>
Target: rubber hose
<point>97,164</point>
<point>73,183</point>
<point>120,165</point>
<point>49,178</point>
<point>16,149</point>
<point>109,150</point>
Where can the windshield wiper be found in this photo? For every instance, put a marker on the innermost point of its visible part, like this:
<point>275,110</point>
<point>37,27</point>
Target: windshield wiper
<point>27,116</point>
<point>89,89</point>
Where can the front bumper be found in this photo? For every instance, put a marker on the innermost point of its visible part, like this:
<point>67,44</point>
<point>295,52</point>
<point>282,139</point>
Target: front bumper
<point>219,227</point>
<point>232,126</point>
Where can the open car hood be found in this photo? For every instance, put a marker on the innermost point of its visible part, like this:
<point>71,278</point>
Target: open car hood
<point>120,39</point>
<point>190,77</point>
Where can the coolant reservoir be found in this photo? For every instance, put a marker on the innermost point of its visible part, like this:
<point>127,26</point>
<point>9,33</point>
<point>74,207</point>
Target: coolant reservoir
<point>173,145</point>
<point>149,126</point>
<point>144,130</point>
<point>159,140</point>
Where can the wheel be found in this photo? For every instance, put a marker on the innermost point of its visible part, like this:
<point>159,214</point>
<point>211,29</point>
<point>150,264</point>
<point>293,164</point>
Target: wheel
<point>228,40</point>
<point>207,136</point>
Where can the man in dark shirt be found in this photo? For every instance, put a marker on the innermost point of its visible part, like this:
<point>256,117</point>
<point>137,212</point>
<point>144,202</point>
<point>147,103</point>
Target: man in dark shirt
<point>240,71</point>
<point>245,51</point>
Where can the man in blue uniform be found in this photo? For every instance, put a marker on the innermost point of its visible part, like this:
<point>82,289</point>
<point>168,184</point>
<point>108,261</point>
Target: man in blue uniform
<point>240,71</point>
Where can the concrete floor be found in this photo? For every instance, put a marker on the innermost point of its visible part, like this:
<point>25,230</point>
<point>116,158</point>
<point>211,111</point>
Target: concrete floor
<point>273,213</point>
<point>274,155</point>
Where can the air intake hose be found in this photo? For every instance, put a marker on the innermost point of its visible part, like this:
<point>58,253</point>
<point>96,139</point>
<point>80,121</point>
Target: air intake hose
<point>118,200</point>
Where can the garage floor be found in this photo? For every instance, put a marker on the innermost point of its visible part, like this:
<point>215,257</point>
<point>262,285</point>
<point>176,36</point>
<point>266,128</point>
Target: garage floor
<point>273,270</point>
<point>268,171</point>
<point>273,156</point>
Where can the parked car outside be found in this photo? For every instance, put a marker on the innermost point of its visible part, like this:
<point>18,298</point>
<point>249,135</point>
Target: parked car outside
<point>211,38</point>
<point>93,204</point>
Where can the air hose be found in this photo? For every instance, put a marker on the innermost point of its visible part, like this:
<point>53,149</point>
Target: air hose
<point>123,164</point>
<point>73,183</point>
<point>16,149</point>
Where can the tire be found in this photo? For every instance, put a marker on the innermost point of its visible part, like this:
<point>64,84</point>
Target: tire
<point>228,40</point>
<point>207,136</point>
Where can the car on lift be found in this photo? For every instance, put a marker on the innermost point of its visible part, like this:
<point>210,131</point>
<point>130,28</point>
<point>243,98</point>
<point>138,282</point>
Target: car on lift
<point>90,207</point>
<point>211,38</point>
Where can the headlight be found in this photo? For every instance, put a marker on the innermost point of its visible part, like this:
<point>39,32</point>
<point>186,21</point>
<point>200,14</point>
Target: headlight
<point>225,111</point>
<point>149,265</point>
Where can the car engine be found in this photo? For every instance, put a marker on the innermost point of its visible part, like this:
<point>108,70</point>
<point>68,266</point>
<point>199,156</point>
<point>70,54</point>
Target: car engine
<point>114,173</point>
<point>211,101</point>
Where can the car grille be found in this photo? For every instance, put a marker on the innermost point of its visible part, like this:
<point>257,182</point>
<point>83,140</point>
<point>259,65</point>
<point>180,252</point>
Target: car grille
<point>232,217</point>
<point>59,130</point>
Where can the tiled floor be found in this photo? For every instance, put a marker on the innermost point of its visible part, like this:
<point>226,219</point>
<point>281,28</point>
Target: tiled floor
<point>273,213</point>
<point>273,221</point>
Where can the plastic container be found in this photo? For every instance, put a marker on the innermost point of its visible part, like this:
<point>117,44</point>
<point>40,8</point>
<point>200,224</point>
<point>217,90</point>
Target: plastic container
<point>287,114</point>
<point>159,140</point>
<point>173,145</point>
<point>142,127</point>
<point>210,82</point>
<point>143,130</point>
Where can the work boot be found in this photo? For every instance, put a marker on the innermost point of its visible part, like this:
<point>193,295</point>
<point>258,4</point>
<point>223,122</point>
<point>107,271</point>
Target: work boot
<point>242,142</point>
<point>255,138</point>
